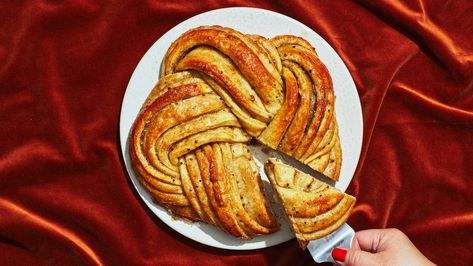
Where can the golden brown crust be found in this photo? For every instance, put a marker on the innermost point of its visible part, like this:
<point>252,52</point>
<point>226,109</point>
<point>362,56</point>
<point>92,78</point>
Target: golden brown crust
<point>219,89</point>
<point>315,115</point>
<point>252,208</point>
<point>296,130</point>
<point>247,72</point>
<point>281,40</point>
<point>273,134</point>
<point>225,73</point>
<point>181,149</point>
<point>218,192</point>
<point>314,209</point>
<point>244,53</point>
<point>322,85</point>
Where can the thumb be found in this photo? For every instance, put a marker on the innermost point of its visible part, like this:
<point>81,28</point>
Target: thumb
<point>360,257</point>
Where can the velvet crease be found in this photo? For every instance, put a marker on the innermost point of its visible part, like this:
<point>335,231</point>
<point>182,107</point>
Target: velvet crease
<point>66,198</point>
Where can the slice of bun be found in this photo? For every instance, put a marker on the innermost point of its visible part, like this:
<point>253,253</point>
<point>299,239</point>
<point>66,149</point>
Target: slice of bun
<point>314,208</point>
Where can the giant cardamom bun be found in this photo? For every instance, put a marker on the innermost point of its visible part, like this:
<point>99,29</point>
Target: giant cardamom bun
<point>220,88</point>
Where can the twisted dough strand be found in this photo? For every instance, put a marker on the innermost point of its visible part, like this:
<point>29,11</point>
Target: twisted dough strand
<point>189,152</point>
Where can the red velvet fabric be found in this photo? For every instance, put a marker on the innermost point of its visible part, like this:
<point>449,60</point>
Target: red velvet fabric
<point>65,197</point>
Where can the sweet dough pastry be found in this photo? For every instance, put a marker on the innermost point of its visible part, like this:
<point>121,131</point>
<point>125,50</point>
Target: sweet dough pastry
<point>220,88</point>
<point>314,209</point>
<point>313,132</point>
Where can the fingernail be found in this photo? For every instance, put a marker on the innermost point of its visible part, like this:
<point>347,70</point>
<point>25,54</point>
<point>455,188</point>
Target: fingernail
<point>339,254</point>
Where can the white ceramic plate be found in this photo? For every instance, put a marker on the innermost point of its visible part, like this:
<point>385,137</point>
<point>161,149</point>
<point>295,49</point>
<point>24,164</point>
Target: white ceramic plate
<point>268,24</point>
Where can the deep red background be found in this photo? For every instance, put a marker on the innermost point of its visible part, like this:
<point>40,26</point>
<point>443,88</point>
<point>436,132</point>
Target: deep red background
<point>65,197</point>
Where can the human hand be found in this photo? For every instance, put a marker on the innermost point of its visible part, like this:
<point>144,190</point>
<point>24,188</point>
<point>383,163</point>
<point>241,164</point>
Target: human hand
<point>380,247</point>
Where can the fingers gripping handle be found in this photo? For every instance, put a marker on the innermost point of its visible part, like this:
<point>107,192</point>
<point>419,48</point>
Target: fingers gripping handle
<point>321,249</point>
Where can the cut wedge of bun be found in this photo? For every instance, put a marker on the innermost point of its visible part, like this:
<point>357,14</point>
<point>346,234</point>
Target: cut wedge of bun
<point>314,208</point>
